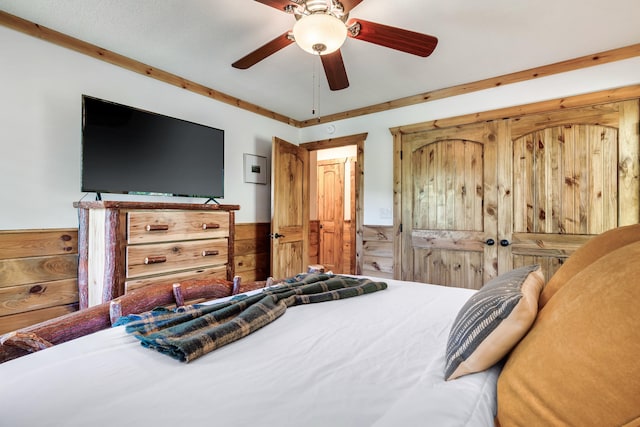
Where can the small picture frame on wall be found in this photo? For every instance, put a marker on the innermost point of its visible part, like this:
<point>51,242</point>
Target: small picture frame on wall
<point>255,169</point>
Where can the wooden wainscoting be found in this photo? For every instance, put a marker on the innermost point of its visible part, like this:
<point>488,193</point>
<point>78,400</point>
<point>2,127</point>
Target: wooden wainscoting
<point>348,253</point>
<point>38,276</point>
<point>314,241</point>
<point>39,268</point>
<point>252,251</point>
<point>378,251</point>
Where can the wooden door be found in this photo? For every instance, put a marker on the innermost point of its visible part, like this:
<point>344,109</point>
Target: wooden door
<point>543,185</point>
<point>290,209</point>
<point>565,176</point>
<point>449,212</point>
<point>331,214</point>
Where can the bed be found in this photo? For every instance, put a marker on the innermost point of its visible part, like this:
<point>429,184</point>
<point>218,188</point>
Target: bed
<point>374,360</point>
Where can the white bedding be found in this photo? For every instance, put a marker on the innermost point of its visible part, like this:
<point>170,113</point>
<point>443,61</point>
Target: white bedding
<point>373,360</point>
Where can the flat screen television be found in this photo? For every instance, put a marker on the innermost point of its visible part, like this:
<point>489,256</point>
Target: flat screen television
<point>132,151</point>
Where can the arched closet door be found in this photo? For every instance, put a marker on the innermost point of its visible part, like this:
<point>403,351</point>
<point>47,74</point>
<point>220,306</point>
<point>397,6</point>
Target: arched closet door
<point>481,199</point>
<point>449,183</point>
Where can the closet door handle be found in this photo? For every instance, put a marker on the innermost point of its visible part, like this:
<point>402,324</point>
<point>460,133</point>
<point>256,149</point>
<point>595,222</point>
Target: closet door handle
<point>490,242</point>
<point>504,243</point>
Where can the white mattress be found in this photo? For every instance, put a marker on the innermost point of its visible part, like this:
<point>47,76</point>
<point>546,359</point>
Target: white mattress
<point>373,360</point>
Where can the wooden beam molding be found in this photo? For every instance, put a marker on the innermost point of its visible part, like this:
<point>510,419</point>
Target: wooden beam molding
<point>520,76</point>
<point>577,101</point>
<point>60,39</point>
<point>55,37</point>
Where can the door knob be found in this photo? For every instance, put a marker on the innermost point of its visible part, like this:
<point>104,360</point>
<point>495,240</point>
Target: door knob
<point>490,242</point>
<point>504,243</point>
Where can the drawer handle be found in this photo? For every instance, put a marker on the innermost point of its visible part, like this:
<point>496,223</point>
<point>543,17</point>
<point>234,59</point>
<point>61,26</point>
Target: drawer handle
<point>155,259</point>
<point>157,227</point>
<point>209,226</point>
<point>210,253</point>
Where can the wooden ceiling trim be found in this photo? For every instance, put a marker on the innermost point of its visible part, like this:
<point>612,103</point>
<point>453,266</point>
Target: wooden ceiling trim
<point>60,39</point>
<point>335,142</point>
<point>577,101</point>
<point>55,37</point>
<point>520,76</point>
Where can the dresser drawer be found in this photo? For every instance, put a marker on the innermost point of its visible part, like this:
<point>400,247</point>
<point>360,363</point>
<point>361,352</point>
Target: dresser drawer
<point>217,272</point>
<point>166,226</point>
<point>158,258</point>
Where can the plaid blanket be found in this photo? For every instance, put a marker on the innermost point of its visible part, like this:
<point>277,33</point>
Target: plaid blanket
<point>189,332</point>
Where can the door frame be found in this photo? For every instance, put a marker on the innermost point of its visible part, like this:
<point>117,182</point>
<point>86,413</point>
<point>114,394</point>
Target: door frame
<point>358,140</point>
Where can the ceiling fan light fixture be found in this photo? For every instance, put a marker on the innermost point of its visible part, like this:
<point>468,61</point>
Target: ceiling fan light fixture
<point>320,33</point>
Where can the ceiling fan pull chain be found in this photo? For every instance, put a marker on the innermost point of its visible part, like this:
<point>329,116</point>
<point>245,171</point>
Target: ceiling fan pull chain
<point>317,87</point>
<point>313,87</point>
<point>313,90</point>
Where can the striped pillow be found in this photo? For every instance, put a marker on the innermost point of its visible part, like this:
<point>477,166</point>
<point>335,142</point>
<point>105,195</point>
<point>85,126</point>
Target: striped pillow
<point>492,321</point>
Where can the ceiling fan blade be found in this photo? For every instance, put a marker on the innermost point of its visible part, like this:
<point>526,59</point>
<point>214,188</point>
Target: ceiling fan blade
<point>394,38</point>
<point>262,52</point>
<point>335,71</point>
<point>278,4</point>
<point>350,4</point>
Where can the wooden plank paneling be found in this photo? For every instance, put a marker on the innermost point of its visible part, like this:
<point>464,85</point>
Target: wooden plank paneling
<point>38,276</point>
<point>18,299</point>
<point>255,231</point>
<point>378,248</point>
<point>314,241</point>
<point>249,246</point>
<point>377,266</point>
<point>252,251</point>
<point>30,243</point>
<point>13,322</point>
<point>377,233</point>
<point>348,256</point>
<point>22,271</point>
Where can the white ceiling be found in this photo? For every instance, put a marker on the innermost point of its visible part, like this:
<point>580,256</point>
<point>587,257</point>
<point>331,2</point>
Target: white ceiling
<point>478,39</point>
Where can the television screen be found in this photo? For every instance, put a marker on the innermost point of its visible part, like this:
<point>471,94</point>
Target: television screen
<point>128,150</point>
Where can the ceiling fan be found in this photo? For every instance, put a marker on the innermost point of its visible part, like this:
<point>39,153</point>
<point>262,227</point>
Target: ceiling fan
<point>321,28</point>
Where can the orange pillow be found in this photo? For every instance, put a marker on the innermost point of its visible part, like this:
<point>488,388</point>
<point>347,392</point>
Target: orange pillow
<point>595,248</point>
<point>580,362</point>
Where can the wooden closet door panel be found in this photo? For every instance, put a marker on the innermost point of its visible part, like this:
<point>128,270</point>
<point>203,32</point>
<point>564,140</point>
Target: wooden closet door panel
<point>451,187</point>
<point>565,183</point>
<point>551,182</point>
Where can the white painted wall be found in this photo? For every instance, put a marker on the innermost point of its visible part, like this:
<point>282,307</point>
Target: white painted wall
<point>378,170</point>
<point>40,137</point>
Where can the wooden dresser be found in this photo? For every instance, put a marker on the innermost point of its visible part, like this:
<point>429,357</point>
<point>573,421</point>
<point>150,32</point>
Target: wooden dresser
<point>126,245</point>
